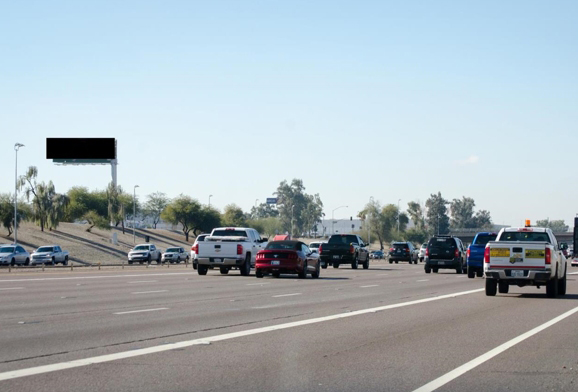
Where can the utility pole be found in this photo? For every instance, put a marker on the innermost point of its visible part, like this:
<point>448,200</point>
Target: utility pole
<point>16,147</point>
<point>134,214</point>
<point>398,216</point>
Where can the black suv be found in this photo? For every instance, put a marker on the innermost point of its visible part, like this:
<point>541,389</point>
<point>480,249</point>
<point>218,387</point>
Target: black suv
<point>445,252</point>
<point>402,251</point>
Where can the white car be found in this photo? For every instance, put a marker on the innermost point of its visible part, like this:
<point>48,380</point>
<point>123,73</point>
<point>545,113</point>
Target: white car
<point>314,246</point>
<point>144,252</point>
<point>421,253</point>
<point>200,238</point>
<point>175,255</point>
<point>10,254</point>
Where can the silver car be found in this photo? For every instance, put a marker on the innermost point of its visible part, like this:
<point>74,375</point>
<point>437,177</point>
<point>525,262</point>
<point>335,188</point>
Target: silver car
<point>175,255</point>
<point>14,254</point>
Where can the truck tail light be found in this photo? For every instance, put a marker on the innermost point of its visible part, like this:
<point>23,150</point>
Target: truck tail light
<point>427,252</point>
<point>548,256</point>
<point>239,249</point>
<point>320,249</point>
<point>195,248</point>
<point>468,253</point>
<point>351,249</point>
<point>391,250</point>
<point>487,255</point>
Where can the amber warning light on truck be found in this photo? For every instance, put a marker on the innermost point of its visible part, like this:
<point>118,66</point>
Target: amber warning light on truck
<point>528,223</point>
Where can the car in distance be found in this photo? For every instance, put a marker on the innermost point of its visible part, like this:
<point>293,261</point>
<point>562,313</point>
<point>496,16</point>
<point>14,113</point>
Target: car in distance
<point>287,257</point>
<point>445,252</point>
<point>377,254</point>
<point>194,248</point>
<point>421,253</point>
<point>49,254</point>
<point>174,255</point>
<point>344,249</point>
<point>144,252</point>
<point>314,246</point>
<point>14,254</point>
<point>475,254</point>
<point>402,251</point>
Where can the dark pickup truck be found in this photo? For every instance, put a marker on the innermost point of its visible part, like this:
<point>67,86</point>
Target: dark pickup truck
<point>344,249</point>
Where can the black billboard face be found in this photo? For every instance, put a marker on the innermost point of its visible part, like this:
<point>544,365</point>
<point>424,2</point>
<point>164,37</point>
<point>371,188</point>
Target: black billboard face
<point>81,148</point>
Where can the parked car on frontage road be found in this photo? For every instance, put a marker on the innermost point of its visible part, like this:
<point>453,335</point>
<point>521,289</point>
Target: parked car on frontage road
<point>175,255</point>
<point>287,257</point>
<point>144,252</point>
<point>10,254</point>
<point>49,254</point>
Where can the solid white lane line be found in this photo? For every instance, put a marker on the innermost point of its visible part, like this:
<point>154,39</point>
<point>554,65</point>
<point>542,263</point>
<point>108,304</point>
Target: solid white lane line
<point>140,311</point>
<point>150,292</point>
<point>13,288</point>
<point>96,277</point>
<point>441,381</point>
<point>285,295</point>
<point>256,284</point>
<point>211,339</point>
<point>371,285</point>
<point>423,280</point>
<point>572,273</point>
<point>144,281</point>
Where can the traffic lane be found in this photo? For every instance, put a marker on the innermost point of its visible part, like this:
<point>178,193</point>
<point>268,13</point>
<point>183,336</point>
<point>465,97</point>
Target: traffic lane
<point>398,349</point>
<point>545,361</point>
<point>76,334</point>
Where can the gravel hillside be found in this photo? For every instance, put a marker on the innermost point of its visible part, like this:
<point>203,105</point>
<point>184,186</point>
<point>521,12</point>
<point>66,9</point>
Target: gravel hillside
<point>96,246</point>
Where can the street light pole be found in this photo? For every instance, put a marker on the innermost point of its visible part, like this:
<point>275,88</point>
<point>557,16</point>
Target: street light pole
<point>292,218</point>
<point>134,214</point>
<point>210,200</point>
<point>369,221</point>
<point>16,147</point>
<point>332,218</point>
<point>398,216</point>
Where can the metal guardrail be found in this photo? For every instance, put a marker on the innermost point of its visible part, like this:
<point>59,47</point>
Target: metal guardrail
<point>71,266</point>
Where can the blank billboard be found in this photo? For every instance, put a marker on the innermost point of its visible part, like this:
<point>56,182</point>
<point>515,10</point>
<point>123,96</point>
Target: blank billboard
<point>80,148</point>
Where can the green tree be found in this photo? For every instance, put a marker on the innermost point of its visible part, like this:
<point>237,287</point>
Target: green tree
<point>462,213</point>
<point>264,210</point>
<point>94,219</point>
<point>207,219</point>
<point>48,207</point>
<point>437,218</point>
<point>234,216</point>
<point>298,211</point>
<point>416,213</point>
<point>483,220</point>
<point>7,212</point>
<point>155,205</point>
<point>183,210</point>
<point>557,226</point>
<point>416,235</point>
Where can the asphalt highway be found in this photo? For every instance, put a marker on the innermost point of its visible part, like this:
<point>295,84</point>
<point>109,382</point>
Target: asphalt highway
<point>389,328</point>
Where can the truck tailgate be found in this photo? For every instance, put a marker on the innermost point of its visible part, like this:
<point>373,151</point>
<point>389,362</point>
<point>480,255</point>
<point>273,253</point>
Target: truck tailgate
<point>217,249</point>
<point>517,255</point>
<point>477,252</point>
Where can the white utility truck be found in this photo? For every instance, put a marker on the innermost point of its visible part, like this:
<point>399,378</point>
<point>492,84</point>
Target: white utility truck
<point>525,256</point>
<point>229,248</point>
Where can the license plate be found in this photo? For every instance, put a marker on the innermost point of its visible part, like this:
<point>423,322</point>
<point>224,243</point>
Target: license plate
<point>441,262</point>
<point>499,252</point>
<point>336,257</point>
<point>218,260</point>
<point>275,262</point>
<point>517,274</point>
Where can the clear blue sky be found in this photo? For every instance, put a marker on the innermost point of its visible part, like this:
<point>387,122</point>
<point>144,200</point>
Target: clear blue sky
<point>395,100</point>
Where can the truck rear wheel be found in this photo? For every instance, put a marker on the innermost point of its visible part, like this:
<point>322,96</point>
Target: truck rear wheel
<point>471,273</point>
<point>479,273</point>
<point>246,267</point>
<point>491,287</point>
<point>503,287</point>
<point>335,265</point>
<point>355,263</point>
<point>427,270</point>
<point>562,285</point>
<point>552,287</point>
<point>202,269</point>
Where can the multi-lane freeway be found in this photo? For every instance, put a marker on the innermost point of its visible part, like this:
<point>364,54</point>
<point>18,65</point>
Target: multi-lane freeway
<point>389,328</point>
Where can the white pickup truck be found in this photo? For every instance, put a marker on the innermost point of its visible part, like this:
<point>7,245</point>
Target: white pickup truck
<point>525,256</point>
<point>49,254</point>
<point>227,248</point>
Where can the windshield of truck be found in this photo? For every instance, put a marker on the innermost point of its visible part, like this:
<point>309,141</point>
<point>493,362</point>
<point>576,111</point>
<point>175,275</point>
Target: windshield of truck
<point>483,239</point>
<point>286,245</point>
<point>6,250</point>
<point>142,247</point>
<point>442,245</point>
<point>343,239</point>
<point>526,236</point>
<point>45,249</point>
<point>175,250</point>
<point>229,233</point>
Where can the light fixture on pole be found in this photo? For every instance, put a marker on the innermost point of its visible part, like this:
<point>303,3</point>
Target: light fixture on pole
<point>332,217</point>
<point>134,214</point>
<point>16,147</point>
<point>210,200</point>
